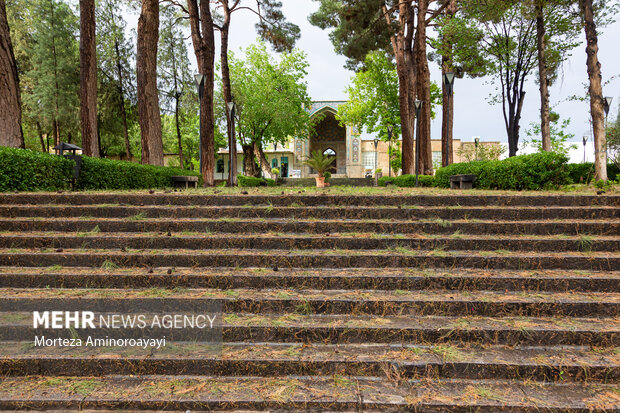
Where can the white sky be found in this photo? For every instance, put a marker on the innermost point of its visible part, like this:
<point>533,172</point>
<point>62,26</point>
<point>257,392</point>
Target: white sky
<point>473,116</point>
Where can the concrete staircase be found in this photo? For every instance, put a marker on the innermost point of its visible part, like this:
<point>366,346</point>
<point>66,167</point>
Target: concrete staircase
<point>459,303</point>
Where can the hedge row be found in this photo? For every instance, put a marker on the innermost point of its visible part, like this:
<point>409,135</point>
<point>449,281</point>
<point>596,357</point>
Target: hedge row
<point>407,181</point>
<point>583,173</point>
<point>26,170</point>
<point>99,173</point>
<point>251,181</point>
<point>532,172</point>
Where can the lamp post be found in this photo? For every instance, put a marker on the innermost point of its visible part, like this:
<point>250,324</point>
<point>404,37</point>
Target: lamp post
<point>417,106</point>
<point>585,140</point>
<point>448,79</point>
<point>232,146</point>
<point>477,144</point>
<point>200,85</point>
<point>390,130</point>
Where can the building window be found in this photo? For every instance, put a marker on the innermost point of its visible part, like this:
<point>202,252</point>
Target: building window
<point>436,159</point>
<point>274,163</point>
<point>368,160</point>
<point>220,166</point>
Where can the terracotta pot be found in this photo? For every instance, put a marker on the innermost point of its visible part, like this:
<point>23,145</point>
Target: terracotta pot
<point>320,181</point>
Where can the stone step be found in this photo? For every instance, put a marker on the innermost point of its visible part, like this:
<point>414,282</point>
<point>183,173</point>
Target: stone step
<point>341,329</point>
<point>360,302</point>
<point>412,212</point>
<point>214,198</point>
<point>301,393</point>
<point>231,258</point>
<point>323,279</point>
<point>307,241</point>
<point>560,364</point>
<point>239,226</point>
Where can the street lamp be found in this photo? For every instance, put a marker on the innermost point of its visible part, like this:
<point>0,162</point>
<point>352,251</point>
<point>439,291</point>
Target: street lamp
<point>232,146</point>
<point>448,79</point>
<point>200,85</point>
<point>607,105</point>
<point>390,130</point>
<point>417,105</point>
<point>585,140</point>
<point>477,144</point>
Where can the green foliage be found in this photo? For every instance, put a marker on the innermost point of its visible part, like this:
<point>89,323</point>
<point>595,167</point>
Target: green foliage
<point>559,136</point>
<point>320,162</point>
<point>275,171</point>
<point>116,81</point>
<point>583,173</point>
<point>327,175</point>
<point>408,181</point>
<point>373,97</point>
<point>526,172</point>
<point>51,84</point>
<point>252,181</point>
<point>26,170</point>
<point>99,173</point>
<point>270,95</point>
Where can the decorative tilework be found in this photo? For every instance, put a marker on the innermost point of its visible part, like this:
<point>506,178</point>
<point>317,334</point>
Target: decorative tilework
<point>356,150</point>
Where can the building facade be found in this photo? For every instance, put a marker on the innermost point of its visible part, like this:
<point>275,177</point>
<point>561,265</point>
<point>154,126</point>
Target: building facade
<point>355,157</point>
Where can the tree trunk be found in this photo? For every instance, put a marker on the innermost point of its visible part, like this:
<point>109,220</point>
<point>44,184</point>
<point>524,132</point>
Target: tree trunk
<point>249,163</point>
<point>424,91</point>
<point>262,159</point>
<point>88,79</point>
<point>121,94</point>
<point>41,138</point>
<point>447,118</point>
<point>226,90</point>
<point>596,91</point>
<point>148,98</point>
<point>10,100</point>
<point>201,24</point>
<point>545,127</point>
<point>401,45</point>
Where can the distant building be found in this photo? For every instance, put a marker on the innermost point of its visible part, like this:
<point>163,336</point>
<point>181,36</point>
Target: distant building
<point>355,157</point>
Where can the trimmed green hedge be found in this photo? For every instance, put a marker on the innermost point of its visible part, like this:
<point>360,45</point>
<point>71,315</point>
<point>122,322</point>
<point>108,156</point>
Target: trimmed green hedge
<point>408,181</point>
<point>583,173</point>
<point>99,173</point>
<point>526,172</point>
<point>26,170</point>
<point>252,181</point>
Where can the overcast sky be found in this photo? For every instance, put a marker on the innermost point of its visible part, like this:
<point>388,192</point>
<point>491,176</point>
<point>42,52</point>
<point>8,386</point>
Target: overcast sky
<point>473,116</point>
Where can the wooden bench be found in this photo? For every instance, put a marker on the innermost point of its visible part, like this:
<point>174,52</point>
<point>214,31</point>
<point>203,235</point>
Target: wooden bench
<point>185,180</point>
<point>462,181</point>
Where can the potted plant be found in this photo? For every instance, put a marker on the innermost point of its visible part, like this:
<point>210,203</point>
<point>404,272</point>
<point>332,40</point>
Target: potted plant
<point>321,164</point>
<point>275,172</point>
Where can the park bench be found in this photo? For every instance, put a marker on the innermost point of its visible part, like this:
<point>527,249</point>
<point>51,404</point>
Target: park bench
<point>185,181</point>
<point>462,181</point>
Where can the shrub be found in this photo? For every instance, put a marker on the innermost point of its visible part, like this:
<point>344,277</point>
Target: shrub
<point>583,173</point>
<point>275,171</point>
<point>408,181</point>
<point>270,182</point>
<point>526,172</point>
<point>327,175</point>
<point>99,173</point>
<point>248,181</point>
<point>26,170</point>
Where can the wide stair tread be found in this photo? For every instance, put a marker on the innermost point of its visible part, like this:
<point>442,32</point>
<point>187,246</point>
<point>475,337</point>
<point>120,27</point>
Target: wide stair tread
<point>299,393</point>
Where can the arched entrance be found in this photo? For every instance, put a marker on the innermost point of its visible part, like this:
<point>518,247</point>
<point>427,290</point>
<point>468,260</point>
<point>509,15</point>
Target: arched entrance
<point>330,139</point>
